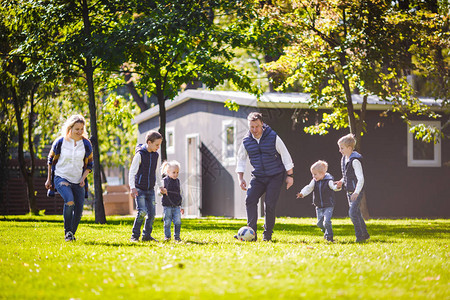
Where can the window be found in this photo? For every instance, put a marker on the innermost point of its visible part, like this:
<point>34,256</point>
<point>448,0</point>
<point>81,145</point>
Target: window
<point>170,140</point>
<point>421,154</point>
<point>229,142</point>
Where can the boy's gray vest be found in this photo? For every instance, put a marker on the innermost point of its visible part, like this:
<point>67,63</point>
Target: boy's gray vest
<point>348,173</point>
<point>146,175</point>
<point>173,197</point>
<point>323,196</point>
<point>263,156</point>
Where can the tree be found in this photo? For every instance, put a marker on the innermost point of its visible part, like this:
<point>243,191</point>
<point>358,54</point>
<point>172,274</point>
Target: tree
<point>176,42</point>
<point>351,46</point>
<point>17,93</point>
<point>365,47</point>
<point>82,41</point>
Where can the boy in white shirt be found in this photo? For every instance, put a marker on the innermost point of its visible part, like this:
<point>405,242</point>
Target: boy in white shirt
<point>353,182</point>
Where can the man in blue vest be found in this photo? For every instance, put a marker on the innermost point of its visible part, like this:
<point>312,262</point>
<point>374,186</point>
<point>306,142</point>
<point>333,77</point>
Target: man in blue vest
<point>272,164</point>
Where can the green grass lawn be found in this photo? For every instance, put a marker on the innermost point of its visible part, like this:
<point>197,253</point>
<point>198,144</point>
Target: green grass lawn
<point>404,259</point>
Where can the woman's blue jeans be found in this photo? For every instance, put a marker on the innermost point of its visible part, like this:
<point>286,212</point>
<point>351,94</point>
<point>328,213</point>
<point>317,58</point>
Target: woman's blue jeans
<point>172,214</point>
<point>145,205</point>
<point>73,195</point>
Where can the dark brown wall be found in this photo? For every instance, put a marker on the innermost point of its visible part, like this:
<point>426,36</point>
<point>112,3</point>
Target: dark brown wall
<point>15,198</point>
<point>393,189</point>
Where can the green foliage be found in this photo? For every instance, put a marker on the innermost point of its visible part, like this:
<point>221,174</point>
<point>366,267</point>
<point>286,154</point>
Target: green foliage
<point>426,133</point>
<point>174,43</point>
<point>117,135</point>
<point>231,105</point>
<point>404,259</point>
<point>365,47</point>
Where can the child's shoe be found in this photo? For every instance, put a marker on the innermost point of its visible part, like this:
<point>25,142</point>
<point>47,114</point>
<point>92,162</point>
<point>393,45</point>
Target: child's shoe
<point>148,238</point>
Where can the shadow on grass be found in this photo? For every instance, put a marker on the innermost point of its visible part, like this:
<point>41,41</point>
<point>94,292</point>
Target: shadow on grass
<point>415,229</point>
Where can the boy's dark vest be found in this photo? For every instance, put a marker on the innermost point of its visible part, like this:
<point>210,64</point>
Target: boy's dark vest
<point>173,197</point>
<point>146,175</point>
<point>263,156</point>
<point>323,196</point>
<point>348,173</point>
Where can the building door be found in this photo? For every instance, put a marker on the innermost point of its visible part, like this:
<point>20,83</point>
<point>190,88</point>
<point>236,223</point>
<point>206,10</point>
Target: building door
<point>192,205</point>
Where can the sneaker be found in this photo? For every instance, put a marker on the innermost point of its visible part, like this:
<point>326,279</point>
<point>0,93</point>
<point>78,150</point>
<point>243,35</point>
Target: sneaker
<point>166,239</point>
<point>363,239</point>
<point>69,236</point>
<point>148,238</point>
<point>134,240</point>
<point>177,239</point>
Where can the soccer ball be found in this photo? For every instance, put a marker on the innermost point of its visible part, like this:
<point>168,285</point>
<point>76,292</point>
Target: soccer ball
<point>246,234</point>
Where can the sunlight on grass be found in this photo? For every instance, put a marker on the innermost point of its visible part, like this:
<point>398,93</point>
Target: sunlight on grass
<point>404,259</point>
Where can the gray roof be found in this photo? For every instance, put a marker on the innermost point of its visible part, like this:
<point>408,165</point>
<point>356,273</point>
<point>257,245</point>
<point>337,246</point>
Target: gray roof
<point>267,100</point>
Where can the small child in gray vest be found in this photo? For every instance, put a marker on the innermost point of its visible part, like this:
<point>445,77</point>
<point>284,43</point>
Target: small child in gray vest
<point>323,187</point>
<point>171,199</point>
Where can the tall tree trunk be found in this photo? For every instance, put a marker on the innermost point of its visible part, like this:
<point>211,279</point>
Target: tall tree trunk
<point>132,89</point>
<point>32,200</point>
<point>354,128</point>
<point>162,119</point>
<point>89,71</point>
<point>359,130</point>
<point>23,168</point>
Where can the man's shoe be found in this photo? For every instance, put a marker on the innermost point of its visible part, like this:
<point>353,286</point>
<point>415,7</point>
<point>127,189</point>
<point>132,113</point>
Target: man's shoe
<point>166,239</point>
<point>177,239</point>
<point>363,239</point>
<point>69,236</point>
<point>134,240</point>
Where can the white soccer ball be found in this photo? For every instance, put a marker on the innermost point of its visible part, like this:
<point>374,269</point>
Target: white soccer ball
<point>246,234</point>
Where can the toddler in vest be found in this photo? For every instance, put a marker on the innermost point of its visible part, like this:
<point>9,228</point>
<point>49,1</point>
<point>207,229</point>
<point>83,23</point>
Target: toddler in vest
<point>171,199</point>
<point>353,182</point>
<point>323,188</point>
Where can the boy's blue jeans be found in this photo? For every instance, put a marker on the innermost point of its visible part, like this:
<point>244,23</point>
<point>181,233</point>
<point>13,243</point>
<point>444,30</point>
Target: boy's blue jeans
<point>324,215</point>
<point>73,195</point>
<point>355,215</point>
<point>172,214</point>
<point>145,205</point>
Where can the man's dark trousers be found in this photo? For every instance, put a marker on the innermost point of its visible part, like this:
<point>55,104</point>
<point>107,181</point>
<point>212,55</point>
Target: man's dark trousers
<point>271,185</point>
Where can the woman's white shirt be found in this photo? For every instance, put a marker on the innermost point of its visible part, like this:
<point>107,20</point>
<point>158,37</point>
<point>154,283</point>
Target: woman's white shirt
<point>71,160</point>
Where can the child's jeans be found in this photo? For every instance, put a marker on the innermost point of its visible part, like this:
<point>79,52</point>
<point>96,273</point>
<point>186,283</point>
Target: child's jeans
<point>172,214</point>
<point>355,215</point>
<point>324,215</point>
<point>73,195</point>
<point>145,205</point>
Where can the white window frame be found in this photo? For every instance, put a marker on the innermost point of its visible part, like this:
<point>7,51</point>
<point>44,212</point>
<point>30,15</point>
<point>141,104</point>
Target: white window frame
<point>436,162</point>
<point>170,148</point>
<point>227,161</point>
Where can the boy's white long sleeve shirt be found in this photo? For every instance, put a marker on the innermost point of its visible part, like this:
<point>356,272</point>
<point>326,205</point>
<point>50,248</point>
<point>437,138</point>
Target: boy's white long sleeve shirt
<point>310,187</point>
<point>356,164</point>
<point>279,145</point>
